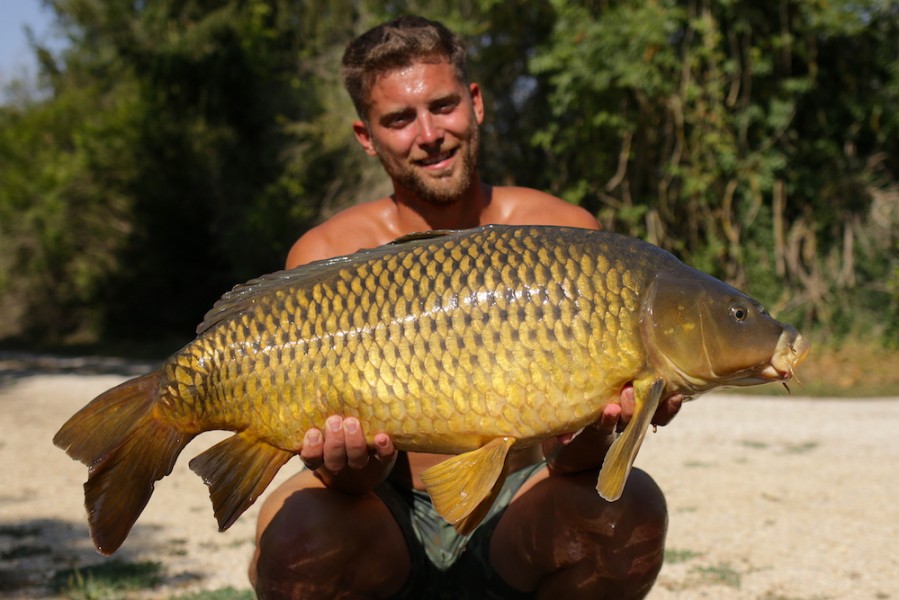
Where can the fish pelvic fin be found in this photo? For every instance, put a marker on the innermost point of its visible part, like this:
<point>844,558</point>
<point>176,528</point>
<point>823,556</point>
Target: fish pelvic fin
<point>127,449</point>
<point>237,470</point>
<point>621,454</point>
<point>463,487</point>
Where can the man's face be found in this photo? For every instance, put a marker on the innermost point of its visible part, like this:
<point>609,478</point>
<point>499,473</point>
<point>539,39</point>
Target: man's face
<point>423,125</point>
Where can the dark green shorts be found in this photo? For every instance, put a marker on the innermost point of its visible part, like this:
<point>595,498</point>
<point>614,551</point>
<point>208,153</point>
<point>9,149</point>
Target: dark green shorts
<point>446,565</point>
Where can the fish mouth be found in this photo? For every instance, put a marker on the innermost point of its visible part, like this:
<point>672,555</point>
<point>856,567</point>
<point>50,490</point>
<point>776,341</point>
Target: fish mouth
<point>790,351</point>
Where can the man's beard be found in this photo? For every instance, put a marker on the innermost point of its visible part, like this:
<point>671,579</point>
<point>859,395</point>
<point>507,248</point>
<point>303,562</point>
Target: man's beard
<point>440,191</point>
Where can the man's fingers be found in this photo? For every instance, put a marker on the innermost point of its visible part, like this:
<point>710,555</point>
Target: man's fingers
<point>334,447</point>
<point>311,453</point>
<point>342,444</point>
<point>608,420</point>
<point>354,441</point>
<point>667,410</point>
<point>626,399</point>
<point>384,448</point>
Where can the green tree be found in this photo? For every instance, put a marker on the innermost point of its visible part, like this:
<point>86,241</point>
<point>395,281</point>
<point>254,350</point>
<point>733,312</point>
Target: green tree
<point>64,209</point>
<point>750,138</point>
<point>178,147</point>
<point>204,126</point>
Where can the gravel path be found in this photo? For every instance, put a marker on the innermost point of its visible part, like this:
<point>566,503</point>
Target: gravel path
<point>770,498</point>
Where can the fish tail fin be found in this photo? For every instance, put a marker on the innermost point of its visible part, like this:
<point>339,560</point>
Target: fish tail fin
<point>621,454</point>
<point>463,487</point>
<point>237,470</point>
<point>127,449</point>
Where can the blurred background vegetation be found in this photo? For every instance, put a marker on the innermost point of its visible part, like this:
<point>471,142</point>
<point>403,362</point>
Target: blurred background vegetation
<point>174,148</point>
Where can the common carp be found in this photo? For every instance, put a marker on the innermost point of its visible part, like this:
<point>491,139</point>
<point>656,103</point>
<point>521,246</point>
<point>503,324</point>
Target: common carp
<point>467,343</point>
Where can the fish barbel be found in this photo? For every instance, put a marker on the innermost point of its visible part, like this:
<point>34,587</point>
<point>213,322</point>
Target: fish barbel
<point>467,343</point>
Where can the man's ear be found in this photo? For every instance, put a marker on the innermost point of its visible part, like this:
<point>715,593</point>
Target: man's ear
<point>363,136</point>
<point>477,101</point>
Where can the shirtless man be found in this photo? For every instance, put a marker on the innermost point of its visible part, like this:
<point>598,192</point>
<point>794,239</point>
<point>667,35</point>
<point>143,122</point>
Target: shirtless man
<point>357,524</point>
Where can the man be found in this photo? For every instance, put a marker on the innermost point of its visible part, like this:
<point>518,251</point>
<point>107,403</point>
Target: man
<point>357,524</point>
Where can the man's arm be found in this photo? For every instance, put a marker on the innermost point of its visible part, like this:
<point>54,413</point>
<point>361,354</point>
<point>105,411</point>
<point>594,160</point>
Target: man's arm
<point>316,244</point>
<point>361,226</point>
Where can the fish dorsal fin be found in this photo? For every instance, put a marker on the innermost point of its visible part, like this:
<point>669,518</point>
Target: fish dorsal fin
<point>463,487</point>
<point>239,298</point>
<point>236,300</point>
<point>423,235</point>
<point>439,233</point>
<point>620,456</point>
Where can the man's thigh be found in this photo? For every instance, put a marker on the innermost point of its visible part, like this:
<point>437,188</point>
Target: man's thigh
<point>560,524</point>
<point>312,534</point>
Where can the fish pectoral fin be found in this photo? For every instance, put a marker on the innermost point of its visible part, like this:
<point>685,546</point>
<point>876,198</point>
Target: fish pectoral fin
<point>463,487</point>
<point>237,470</point>
<point>621,454</point>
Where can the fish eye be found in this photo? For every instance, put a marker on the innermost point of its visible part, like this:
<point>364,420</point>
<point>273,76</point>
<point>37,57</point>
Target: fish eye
<point>739,312</point>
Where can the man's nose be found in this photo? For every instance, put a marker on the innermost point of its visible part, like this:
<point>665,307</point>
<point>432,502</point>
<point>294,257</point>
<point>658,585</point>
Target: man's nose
<point>429,130</point>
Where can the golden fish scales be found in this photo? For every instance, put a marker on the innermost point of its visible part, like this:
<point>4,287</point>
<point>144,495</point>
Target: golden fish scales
<point>422,346</point>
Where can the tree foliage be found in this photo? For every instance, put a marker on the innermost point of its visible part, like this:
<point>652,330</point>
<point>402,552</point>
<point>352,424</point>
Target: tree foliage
<point>750,138</point>
<point>178,147</point>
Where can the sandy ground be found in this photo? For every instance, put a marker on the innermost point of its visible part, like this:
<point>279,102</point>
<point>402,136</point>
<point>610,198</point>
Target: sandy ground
<point>782,498</point>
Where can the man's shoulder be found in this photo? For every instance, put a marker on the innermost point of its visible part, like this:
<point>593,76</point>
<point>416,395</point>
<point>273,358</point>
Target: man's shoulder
<point>353,228</point>
<point>528,206</point>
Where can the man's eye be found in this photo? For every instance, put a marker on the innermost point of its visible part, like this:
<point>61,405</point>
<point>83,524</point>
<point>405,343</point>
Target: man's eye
<point>397,121</point>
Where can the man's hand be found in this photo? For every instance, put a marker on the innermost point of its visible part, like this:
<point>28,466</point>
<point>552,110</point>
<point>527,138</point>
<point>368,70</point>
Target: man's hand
<point>618,415</point>
<point>342,459</point>
<point>572,453</point>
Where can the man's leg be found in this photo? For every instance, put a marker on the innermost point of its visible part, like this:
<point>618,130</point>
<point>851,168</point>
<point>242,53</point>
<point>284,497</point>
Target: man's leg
<point>312,542</point>
<point>560,539</point>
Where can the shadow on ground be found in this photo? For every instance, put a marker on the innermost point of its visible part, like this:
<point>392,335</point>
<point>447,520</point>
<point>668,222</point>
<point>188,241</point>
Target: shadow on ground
<point>48,558</point>
<point>20,365</point>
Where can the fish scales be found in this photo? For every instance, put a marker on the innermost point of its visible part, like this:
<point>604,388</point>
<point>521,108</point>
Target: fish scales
<point>487,347</point>
<point>469,342</point>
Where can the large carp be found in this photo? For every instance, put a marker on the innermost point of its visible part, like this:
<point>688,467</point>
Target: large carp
<point>460,342</point>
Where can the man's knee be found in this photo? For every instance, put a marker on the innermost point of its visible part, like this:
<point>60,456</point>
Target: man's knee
<point>289,546</point>
<point>640,514</point>
<point>305,548</point>
<point>627,536</point>
<point>645,502</point>
<point>589,546</point>
<point>643,524</point>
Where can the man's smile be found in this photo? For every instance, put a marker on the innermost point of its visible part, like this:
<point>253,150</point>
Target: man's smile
<point>436,160</point>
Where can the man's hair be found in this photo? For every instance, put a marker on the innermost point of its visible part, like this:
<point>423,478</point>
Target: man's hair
<point>394,45</point>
